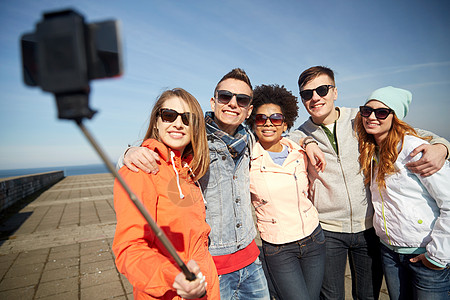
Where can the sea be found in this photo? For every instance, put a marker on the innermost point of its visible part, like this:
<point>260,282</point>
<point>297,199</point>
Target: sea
<point>68,170</point>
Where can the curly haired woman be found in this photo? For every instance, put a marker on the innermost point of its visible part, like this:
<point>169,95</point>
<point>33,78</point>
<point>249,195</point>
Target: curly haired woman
<point>292,240</point>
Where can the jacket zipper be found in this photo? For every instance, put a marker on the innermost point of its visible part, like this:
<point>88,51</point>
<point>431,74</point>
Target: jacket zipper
<point>298,198</point>
<point>348,193</point>
<point>372,170</point>
<point>343,174</point>
<point>263,202</point>
<point>273,221</point>
<point>384,217</point>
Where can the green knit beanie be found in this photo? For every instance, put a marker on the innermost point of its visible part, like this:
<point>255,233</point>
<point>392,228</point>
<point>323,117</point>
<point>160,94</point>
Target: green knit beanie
<point>395,98</point>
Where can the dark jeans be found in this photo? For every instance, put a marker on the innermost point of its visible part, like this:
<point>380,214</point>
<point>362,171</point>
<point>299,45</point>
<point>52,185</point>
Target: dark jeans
<point>407,280</point>
<point>363,251</point>
<point>297,268</point>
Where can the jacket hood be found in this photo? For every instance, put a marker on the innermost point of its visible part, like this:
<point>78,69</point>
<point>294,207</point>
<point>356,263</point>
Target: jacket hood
<point>163,151</point>
<point>172,157</point>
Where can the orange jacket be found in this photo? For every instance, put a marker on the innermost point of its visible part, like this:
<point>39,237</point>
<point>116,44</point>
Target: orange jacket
<point>139,254</point>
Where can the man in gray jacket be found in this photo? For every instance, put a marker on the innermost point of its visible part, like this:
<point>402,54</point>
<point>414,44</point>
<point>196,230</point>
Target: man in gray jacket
<point>339,193</point>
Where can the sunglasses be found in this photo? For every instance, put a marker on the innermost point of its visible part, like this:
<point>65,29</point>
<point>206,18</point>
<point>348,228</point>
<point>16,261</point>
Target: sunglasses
<point>380,113</point>
<point>322,91</point>
<point>169,116</point>
<point>224,97</point>
<point>276,119</point>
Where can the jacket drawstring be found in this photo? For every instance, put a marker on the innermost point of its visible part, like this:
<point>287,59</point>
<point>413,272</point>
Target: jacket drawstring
<point>196,182</point>
<point>371,170</point>
<point>172,155</point>
<point>381,197</point>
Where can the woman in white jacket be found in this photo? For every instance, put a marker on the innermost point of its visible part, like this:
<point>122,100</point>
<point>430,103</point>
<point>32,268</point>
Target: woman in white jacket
<point>412,213</point>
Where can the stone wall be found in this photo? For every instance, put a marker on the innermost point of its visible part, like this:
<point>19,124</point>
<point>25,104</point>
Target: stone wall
<point>14,189</point>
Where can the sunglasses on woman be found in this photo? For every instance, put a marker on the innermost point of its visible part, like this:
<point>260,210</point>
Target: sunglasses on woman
<point>276,119</point>
<point>380,113</point>
<point>169,116</point>
<point>322,91</point>
<point>224,97</point>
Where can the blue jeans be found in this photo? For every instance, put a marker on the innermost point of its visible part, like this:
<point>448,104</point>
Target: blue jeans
<point>297,268</point>
<point>363,251</point>
<point>407,280</point>
<point>246,283</point>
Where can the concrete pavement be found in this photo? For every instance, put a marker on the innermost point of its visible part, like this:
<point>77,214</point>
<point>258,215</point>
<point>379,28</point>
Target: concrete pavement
<point>58,246</point>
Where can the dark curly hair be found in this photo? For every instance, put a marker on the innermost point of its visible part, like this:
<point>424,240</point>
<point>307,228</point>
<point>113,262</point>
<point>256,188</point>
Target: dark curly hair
<point>274,94</point>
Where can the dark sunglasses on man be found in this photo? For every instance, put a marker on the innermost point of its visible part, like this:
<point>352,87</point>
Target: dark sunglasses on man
<point>276,119</point>
<point>169,116</point>
<point>380,113</point>
<point>224,97</point>
<point>322,91</point>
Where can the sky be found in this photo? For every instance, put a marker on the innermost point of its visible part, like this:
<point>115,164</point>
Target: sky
<point>192,44</point>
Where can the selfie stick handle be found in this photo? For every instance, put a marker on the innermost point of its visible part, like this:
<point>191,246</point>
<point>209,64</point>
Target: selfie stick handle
<point>158,232</point>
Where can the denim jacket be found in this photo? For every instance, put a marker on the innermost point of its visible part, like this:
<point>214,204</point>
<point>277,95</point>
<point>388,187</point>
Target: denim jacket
<point>226,191</point>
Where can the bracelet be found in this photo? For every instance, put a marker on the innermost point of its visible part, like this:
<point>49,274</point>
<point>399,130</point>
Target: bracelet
<point>309,142</point>
<point>307,139</point>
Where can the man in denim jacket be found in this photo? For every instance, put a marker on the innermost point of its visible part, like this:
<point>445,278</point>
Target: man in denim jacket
<point>226,189</point>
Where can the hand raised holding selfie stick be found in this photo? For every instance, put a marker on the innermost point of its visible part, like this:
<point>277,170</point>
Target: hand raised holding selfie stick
<point>155,228</point>
<point>61,57</point>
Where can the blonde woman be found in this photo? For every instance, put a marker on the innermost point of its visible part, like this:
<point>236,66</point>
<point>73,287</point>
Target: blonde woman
<point>177,133</point>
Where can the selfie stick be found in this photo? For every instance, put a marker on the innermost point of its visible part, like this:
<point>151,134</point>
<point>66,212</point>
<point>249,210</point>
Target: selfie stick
<point>61,57</point>
<point>156,229</point>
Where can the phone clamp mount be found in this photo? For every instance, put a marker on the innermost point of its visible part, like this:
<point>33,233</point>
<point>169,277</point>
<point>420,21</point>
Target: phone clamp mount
<point>61,57</point>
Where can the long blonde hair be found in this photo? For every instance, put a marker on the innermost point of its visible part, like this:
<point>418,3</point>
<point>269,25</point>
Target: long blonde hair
<point>198,147</point>
<point>388,151</point>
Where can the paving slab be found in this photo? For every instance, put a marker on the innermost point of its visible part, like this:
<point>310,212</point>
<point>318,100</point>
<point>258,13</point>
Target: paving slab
<point>59,245</point>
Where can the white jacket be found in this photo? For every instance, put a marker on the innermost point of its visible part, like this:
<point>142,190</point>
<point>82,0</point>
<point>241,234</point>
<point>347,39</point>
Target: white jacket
<point>414,211</point>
